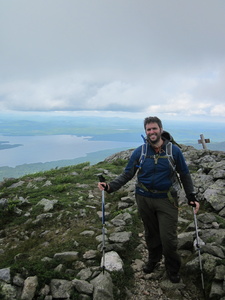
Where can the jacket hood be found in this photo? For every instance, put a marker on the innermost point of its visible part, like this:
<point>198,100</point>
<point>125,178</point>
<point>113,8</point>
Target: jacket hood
<point>168,137</point>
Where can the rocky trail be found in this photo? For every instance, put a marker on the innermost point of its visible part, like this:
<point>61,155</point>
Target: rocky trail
<point>156,286</point>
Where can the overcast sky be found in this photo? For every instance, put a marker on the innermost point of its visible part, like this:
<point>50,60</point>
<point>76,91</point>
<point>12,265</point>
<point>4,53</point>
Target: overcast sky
<point>150,57</point>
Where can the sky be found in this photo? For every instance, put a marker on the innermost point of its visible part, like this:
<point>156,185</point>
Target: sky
<point>114,57</point>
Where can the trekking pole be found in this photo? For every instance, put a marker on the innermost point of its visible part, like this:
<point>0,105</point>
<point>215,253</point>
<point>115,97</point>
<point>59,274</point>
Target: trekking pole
<point>199,250</point>
<point>102,179</point>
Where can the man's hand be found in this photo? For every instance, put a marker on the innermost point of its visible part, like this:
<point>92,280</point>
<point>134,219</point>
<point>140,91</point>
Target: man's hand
<point>103,186</point>
<point>192,201</point>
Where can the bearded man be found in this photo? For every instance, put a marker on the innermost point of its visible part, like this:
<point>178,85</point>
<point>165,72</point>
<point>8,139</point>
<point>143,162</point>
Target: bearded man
<point>156,195</point>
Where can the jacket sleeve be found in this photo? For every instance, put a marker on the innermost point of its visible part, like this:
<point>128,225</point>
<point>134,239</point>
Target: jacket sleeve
<point>128,173</point>
<point>184,173</point>
<point>187,184</point>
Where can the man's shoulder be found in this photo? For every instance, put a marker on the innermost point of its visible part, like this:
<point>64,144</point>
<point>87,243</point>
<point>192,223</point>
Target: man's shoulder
<point>175,147</point>
<point>176,150</point>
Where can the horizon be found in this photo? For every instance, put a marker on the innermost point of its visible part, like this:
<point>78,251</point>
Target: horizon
<point>95,126</point>
<point>30,115</point>
<point>44,133</point>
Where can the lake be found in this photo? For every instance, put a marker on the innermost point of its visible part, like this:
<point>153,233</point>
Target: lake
<point>35,149</point>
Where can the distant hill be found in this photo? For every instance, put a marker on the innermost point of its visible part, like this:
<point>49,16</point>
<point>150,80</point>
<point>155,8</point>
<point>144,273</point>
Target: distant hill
<point>21,170</point>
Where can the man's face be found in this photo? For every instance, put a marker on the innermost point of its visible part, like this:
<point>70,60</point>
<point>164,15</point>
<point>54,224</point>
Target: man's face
<point>153,132</point>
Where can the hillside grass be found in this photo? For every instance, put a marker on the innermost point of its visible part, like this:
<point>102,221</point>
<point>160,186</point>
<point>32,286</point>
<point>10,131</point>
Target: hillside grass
<point>27,242</point>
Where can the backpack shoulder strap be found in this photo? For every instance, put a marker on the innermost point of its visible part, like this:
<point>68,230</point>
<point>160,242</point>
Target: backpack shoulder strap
<point>143,153</point>
<point>169,153</point>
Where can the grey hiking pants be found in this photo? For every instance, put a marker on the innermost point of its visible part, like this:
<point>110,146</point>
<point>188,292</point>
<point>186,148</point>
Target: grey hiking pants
<point>160,217</point>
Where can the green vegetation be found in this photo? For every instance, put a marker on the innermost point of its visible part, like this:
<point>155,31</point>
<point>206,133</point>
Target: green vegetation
<point>75,189</point>
<point>220,221</point>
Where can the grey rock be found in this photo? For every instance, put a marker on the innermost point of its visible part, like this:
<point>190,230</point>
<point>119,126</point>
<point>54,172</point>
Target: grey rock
<point>217,290</point>
<point>128,199</point>
<point>122,219</point>
<point>22,201</point>
<point>206,218</point>
<point>88,233</point>
<point>45,290</point>
<point>61,289</point>
<point>17,184</point>
<point>219,273</point>
<point>215,195</point>
<point>123,205</point>
<point>214,235</point>
<point>83,286</point>
<point>118,222</point>
<point>185,241</point>
<point>9,291</point>
<point>113,262</point>
<point>5,275</point>
<point>209,263</point>
<point>120,237</point>
<point>84,274</point>
<point>48,204</point>
<point>90,254</point>
<point>48,297</point>
<point>29,289</point>
<point>47,183</point>
<point>213,250</point>
<point>103,287</point>
<point>60,268</point>
<point>69,256</point>
<point>3,203</point>
<point>42,217</point>
<point>18,280</point>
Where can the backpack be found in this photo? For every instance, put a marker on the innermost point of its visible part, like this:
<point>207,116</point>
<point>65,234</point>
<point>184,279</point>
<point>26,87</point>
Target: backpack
<point>169,152</point>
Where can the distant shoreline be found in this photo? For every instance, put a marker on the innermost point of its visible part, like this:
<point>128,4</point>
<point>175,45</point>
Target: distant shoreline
<point>92,158</point>
<point>26,169</point>
<point>5,145</point>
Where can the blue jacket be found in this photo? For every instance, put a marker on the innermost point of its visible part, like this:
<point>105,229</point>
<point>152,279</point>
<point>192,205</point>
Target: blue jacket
<point>155,174</point>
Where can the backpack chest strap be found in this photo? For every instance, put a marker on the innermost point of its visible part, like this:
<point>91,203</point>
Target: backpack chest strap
<point>156,157</point>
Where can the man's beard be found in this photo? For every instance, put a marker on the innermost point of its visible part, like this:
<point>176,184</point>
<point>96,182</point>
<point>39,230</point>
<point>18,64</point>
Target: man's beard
<point>154,141</point>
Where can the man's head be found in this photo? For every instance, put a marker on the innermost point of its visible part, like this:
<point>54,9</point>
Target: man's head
<point>152,120</point>
<point>153,129</point>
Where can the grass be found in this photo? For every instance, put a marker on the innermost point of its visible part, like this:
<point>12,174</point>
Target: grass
<point>28,241</point>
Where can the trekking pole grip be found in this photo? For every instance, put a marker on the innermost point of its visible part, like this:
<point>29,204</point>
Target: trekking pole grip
<point>101,178</point>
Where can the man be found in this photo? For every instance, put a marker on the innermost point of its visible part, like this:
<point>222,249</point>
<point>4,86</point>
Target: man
<point>156,195</point>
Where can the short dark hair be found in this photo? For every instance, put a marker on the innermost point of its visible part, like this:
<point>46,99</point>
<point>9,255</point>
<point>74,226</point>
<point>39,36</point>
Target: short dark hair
<point>152,120</point>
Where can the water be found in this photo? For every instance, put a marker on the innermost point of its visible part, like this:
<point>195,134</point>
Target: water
<point>107,134</point>
<point>35,149</point>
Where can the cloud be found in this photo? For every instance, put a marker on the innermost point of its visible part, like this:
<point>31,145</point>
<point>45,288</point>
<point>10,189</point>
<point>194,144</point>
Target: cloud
<point>122,56</point>
<point>218,110</point>
<point>183,104</point>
